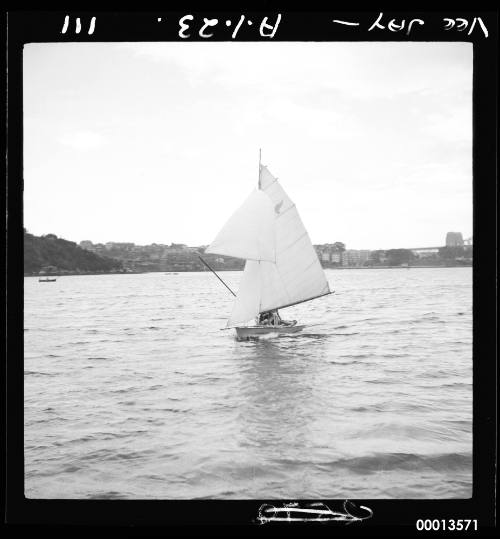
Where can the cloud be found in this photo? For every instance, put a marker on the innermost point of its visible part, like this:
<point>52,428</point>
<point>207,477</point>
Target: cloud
<point>357,70</point>
<point>83,140</point>
<point>359,133</point>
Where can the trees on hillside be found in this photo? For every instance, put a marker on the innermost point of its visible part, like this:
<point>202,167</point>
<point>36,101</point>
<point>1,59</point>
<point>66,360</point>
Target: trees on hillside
<point>396,257</point>
<point>52,254</point>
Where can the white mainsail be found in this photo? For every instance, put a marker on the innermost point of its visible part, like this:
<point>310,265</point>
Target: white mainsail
<point>296,274</point>
<point>249,232</point>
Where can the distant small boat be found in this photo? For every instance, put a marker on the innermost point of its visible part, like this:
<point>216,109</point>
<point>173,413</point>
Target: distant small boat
<point>47,280</point>
<point>282,268</point>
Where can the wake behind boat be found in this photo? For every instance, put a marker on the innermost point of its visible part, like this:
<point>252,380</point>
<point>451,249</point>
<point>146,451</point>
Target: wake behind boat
<point>282,268</point>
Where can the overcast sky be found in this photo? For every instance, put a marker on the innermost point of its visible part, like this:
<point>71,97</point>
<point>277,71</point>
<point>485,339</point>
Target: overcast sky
<point>159,142</point>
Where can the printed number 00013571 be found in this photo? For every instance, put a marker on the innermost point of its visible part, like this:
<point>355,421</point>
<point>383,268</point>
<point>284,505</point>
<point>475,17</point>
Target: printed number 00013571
<point>446,524</point>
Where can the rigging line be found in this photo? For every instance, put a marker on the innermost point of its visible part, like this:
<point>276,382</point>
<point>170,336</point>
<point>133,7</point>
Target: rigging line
<point>213,271</point>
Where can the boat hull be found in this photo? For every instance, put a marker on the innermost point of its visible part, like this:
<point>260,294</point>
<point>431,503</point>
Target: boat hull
<point>247,332</point>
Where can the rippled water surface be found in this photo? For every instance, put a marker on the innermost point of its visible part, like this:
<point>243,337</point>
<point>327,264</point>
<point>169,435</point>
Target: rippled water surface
<point>133,391</point>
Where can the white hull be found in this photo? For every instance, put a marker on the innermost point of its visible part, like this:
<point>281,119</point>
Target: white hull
<point>246,332</point>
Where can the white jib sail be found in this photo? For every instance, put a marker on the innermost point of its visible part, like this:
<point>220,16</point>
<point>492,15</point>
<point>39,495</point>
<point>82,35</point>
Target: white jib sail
<point>250,231</point>
<point>297,274</point>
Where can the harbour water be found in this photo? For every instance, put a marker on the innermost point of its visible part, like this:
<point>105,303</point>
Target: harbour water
<point>132,390</point>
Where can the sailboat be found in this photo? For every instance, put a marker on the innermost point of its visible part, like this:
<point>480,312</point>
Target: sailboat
<point>282,267</point>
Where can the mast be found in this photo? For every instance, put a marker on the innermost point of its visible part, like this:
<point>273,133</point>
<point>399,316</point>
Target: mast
<point>260,155</point>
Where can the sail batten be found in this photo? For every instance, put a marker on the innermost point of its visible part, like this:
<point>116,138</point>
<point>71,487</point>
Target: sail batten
<point>294,242</point>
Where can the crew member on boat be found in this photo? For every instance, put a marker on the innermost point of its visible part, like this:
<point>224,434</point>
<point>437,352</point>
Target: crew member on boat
<point>272,318</point>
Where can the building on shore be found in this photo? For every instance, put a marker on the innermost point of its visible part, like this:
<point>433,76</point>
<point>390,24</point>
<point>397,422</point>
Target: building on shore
<point>425,252</point>
<point>336,255</point>
<point>336,258</point>
<point>330,253</point>
<point>454,239</point>
<point>355,257</point>
<point>180,257</point>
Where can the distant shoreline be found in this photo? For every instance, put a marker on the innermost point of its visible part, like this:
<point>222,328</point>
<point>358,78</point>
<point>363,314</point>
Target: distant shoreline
<point>400,267</point>
<point>72,274</point>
